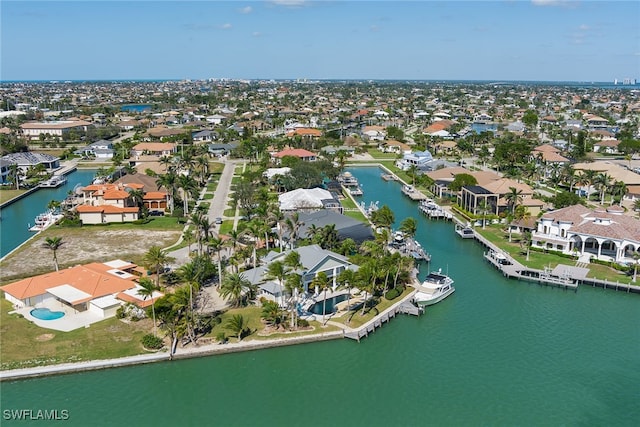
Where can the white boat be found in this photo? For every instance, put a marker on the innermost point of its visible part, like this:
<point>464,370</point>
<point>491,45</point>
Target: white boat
<point>45,220</point>
<point>54,181</point>
<point>435,287</point>
<point>465,232</point>
<point>408,189</point>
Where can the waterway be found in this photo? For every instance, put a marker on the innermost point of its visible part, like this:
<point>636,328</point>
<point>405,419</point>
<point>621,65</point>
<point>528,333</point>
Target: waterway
<point>17,216</point>
<point>497,352</point>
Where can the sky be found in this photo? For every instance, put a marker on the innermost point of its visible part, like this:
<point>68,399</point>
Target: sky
<point>546,40</point>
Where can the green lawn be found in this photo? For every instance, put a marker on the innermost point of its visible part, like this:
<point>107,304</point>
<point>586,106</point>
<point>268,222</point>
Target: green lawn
<point>6,194</point>
<point>216,167</point>
<point>226,226</point>
<point>229,212</point>
<point>356,319</point>
<point>24,344</point>
<point>379,155</point>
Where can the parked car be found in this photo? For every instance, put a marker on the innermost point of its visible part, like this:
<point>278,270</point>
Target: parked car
<point>218,220</point>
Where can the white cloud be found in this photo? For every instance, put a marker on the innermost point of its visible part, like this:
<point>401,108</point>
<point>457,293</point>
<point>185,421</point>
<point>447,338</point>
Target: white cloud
<point>584,27</point>
<point>226,26</point>
<point>245,10</point>
<point>256,34</point>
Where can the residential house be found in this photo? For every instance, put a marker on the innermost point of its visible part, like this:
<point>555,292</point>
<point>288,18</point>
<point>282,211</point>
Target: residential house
<point>601,234</point>
<point>419,159</point>
<point>313,259</point>
<point>27,159</point>
<point>101,149</point>
<point>493,194</point>
<point>374,133</point>
<point>157,149</point>
<point>308,199</point>
<point>346,227</point>
<point>94,287</point>
<point>607,146</point>
<point>302,154</point>
<point>33,130</point>
<point>104,203</point>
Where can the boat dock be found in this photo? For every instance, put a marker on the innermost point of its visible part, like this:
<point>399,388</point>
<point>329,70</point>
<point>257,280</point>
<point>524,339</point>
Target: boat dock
<point>405,306</point>
<point>412,193</point>
<point>389,177</point>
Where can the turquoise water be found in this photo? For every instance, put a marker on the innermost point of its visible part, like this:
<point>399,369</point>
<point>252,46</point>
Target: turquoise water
<point>46,314</point>
<point>17,216</point>
<point>496,353</point>
<point>136,108</point>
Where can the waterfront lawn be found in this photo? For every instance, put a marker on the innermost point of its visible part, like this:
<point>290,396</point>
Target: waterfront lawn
<point>348,204</point>
<point>7,194</point>
<point>251,317</point>
<point>23,344</point>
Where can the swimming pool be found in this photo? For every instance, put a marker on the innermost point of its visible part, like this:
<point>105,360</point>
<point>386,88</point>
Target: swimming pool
<point>46,314</point>
<point>330,306</point>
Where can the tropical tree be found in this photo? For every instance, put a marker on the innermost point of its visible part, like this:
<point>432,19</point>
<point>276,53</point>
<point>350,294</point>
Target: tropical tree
<point>237,325</point>
<point>155,260</point>
<point>322,283</point>
<point>383,217</point>
<point>603,181</point>
<point>293,224</point>
<point>216,244</point>
<point>53,244</point>
<point>147,287</point>
<point>170,182</point>
<point>189,187</point>
<point>409,226</point>
<point>277,271</point>
<point>271,313</point>
<point>237,289</point>
<point>293,282</point>
<point>513,198</point>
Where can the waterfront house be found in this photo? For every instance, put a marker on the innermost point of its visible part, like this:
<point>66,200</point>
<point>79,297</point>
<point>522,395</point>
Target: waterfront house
<point>374,133</point>
<point>313,259</point>
<point>101,149</point>
<point>5,170</point>
<point>471,197</point>
<point>26,160</point>
<point>308,199</point>
<point>346,227</point>
<point>90,287</point>
<point>602,234</point>
<point>105,203</point>
<point>418,159</point>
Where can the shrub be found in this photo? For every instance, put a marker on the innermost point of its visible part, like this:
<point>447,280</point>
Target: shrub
<point>120,313</point>
<point>303,323</point>
<point>152,342</point>
<point>393,293</point>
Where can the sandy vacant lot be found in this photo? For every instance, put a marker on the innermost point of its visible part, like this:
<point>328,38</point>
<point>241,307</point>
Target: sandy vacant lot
<point>82,245</point>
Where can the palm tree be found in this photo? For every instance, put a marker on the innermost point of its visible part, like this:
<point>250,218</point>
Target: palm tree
<point>147,287</point>
<point>235,288</point>
<point>191,274</point>
<point>603,180</point>
<point>321,282</point>
<point>409,226</point>
<point>54,243</point>
<point>293,281</point>
<point>294,224</point>
<point>412,172</point>
<point>189,187</point>
<point>383,217</point>
<point>619,189</point>
<point>346,279</point>
<point>277,271</point>
<point>217,244</point>
<point>483,207</point>
<point>15,173</point>
<point>237,325</point>
<point>636,257</point>
<point>155,260</point>
<point>170,182</point>
<point>513,198</point>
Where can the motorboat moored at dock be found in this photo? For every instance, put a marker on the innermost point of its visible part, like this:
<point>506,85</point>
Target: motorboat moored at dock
<point>435,287</point>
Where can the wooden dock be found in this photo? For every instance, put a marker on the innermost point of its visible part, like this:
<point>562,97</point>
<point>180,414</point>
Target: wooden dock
<point>405,306</point>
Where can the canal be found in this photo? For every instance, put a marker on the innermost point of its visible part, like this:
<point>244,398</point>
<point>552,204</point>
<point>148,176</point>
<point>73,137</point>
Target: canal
<point>497,352</point>
<point>17,216</point>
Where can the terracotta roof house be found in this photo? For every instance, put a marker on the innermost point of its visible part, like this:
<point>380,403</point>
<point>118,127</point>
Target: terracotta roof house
<point>302,154</point>
<point>305,133</point>
<point>104,203</point>
<point>601,234</point>
<point>609,146</point>
<point>81,288</point>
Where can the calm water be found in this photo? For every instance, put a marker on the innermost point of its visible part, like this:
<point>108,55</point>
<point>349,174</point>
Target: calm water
<point>17,217</point>
<point>497,352</point>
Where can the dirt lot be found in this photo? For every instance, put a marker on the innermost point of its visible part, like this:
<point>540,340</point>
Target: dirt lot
<point>82,245</point>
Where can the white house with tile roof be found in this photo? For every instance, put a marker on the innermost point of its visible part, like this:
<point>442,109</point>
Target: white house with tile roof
<point>606,235</point>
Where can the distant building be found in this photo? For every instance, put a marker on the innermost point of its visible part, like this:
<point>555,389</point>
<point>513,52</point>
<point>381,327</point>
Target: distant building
<point>33,130</point>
